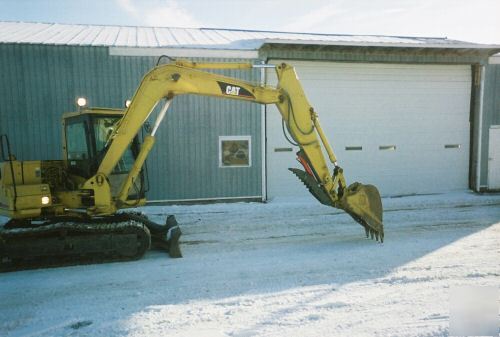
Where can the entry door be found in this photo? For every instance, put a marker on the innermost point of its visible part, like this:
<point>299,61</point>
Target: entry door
<point>494,158</point>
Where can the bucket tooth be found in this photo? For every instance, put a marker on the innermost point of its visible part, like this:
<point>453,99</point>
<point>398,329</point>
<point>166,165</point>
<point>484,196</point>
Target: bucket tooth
<point>363,204</point>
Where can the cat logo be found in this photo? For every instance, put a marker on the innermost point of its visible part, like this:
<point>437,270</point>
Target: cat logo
<point>234,90</point>
<point>230,90</point>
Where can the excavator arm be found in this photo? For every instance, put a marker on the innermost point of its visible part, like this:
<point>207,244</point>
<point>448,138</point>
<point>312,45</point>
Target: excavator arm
<point>362,202</point>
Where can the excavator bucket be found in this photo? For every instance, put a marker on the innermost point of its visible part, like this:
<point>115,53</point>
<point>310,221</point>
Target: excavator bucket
<point>364,204</point>
<point>361,202</point>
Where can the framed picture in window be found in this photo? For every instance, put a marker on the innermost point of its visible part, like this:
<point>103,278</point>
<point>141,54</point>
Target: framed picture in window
<point>235,151</point>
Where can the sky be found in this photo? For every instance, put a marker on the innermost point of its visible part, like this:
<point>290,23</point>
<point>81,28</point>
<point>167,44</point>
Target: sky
<point>467,20</point>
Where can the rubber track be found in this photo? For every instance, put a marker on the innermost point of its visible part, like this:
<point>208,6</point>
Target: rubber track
<point>68,243</point>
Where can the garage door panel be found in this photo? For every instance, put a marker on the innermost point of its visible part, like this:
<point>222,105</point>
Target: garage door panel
<point>384,85</point>
<point>423,110</point>
<point>380,124</point>
<point>343,135</point>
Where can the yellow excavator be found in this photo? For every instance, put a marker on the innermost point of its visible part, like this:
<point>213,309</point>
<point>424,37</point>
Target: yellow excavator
<point>71,211</point>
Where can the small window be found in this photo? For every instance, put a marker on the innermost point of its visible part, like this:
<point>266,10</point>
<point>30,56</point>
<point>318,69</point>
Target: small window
<point>452,146</point>
<point>76,141</point>
<point>387,147</point>
<point>283,149</point>
<point>353,148</point>
<point>235,151</point>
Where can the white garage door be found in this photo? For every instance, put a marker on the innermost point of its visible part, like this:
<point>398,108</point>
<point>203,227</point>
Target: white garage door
<point>403,128</point>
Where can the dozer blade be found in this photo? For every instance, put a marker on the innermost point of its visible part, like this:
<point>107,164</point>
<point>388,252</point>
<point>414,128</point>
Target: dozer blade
<point>364,204</point>
<point>361,202</point>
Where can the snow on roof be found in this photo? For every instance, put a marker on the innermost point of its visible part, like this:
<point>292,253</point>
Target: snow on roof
<point>205,38</point>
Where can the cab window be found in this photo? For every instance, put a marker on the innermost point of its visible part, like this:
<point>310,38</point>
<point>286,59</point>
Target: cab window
<point>76,141</point>
<point>103,130</point>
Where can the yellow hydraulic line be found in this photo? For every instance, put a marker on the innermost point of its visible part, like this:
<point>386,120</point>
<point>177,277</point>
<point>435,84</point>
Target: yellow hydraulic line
<point>146,146</point>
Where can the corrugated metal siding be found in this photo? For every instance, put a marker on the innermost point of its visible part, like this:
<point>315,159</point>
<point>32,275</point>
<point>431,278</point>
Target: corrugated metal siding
<point>189,141</point>
<point>493,92</point>
<point>41,82</point>
<point>491,113</point>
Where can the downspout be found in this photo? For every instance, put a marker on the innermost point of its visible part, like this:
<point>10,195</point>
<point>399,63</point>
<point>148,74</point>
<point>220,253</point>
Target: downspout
<point>263,136</point>
<point>480,131</point>
<point>263,124</point>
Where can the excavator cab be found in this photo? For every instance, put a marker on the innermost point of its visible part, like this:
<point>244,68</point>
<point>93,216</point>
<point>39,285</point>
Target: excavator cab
<point>86,139</point>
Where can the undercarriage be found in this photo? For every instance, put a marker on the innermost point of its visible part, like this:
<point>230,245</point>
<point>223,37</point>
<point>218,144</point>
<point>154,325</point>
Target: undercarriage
<point>79,240</point>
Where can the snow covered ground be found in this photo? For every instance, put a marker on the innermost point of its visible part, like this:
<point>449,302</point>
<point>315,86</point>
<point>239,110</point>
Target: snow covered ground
<point>285,268</point>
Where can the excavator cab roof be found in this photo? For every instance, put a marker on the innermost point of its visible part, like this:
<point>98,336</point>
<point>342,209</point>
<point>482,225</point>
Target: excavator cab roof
<point>94,111</point>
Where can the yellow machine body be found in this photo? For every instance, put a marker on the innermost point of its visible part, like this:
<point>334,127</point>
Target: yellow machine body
<point>48,189</point>
<point>25,199</point>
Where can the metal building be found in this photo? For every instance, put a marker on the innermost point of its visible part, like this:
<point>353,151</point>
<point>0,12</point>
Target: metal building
<point>410,115</point>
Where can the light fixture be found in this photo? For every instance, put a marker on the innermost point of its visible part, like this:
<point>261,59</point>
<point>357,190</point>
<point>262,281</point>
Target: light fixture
<point>45,200</point>
<point>81,102</point>
<point>127,103</point>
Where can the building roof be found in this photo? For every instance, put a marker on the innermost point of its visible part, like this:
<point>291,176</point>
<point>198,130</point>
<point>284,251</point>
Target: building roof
<point>201,38</point>
<point>494,59</point>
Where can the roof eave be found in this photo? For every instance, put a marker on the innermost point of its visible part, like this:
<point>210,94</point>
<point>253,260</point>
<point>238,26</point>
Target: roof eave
<point>490,49</point>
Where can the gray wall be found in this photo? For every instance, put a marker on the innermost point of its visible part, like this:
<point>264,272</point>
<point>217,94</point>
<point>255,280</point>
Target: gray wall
<point>40,82</point>
<point>491,113</point>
